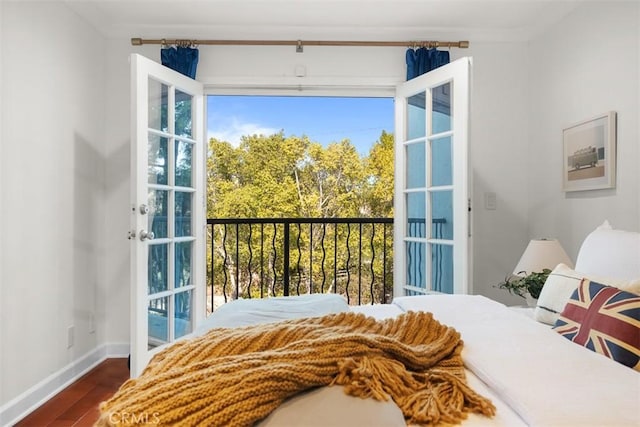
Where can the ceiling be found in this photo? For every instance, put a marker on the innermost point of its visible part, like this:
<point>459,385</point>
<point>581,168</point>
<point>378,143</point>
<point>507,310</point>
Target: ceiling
<point>393,20</point>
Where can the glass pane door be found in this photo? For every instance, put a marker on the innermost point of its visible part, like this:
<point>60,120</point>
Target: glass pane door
<point>431,209</point>
<point>168,275</point>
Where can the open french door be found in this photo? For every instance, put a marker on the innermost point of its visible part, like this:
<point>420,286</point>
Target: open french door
<point>168,210</point>
<point>432,235</point>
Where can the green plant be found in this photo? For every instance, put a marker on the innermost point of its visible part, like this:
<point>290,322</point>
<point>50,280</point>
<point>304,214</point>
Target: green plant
<point>521,285</point>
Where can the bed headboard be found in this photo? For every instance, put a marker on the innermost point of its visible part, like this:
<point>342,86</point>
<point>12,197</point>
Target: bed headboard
<point>610,253</point>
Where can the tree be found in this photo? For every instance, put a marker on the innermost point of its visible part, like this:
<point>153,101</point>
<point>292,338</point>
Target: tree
<point>255,179</point>
<point>292,177</point>
<point>380,177</point>
<point>331,181</point>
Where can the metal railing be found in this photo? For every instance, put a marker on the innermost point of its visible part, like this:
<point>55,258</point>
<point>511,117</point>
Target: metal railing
<point>262,257</point>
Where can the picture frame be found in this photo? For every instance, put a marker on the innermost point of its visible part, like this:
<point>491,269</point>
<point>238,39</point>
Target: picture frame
<point>589,155</point>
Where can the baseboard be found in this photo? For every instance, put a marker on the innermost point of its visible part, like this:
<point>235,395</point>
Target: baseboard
<point>22,405</point>
<point>115,350</point>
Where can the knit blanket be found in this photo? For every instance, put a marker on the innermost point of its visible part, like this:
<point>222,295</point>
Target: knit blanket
<point>237,376</point>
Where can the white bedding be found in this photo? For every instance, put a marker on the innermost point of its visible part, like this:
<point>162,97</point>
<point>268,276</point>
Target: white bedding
<point>533,375</point>
<point>310,408</point>
<point>505,416</point>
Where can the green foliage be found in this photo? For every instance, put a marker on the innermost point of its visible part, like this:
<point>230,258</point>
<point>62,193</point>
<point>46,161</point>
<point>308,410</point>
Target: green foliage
<point>292,177</point>
<point>274,176</point>
<point>531,284</point>
<point>380,177</point>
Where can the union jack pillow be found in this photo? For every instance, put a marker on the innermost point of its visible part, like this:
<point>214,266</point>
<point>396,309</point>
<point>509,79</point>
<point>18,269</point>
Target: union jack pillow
<point>603,319</point>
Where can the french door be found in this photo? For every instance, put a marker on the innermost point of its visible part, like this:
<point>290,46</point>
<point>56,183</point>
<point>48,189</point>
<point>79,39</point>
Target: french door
<point>432,236</point>
<point>167,208</point>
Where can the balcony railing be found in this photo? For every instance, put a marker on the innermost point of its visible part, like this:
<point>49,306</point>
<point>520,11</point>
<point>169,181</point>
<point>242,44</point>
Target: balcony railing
<point>262,257</point>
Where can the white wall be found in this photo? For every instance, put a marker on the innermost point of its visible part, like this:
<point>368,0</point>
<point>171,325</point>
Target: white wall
<point>584,66</point>
<point>3,318</point>
<point>499,135</point>
<point>52,191</point>
<point>115,310</point>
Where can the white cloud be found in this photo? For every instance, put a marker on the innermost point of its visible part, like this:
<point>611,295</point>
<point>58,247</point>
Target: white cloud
<point>234,129</point>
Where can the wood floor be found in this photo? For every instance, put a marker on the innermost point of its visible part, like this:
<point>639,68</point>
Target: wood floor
<point>77,405</point>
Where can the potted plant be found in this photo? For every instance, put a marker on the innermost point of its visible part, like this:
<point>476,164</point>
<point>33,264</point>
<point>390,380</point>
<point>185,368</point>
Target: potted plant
<point>523,286</point>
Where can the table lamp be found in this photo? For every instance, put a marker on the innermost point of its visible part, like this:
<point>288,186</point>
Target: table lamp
<point>541,254</point>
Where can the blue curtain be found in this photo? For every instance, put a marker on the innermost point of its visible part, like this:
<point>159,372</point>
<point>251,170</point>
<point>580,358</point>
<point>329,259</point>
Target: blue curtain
<point>182,59</point>
<point>422,60</point>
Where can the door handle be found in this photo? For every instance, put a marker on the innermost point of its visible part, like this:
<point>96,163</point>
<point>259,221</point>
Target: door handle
<point>146,235</point>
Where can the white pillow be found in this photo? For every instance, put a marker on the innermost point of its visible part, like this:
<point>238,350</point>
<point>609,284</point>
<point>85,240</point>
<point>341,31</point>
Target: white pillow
<point>559,287</point>
<point>610,253</point>
<point>244,312</point>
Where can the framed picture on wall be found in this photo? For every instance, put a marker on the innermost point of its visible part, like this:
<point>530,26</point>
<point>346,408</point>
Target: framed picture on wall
<point>590,154</point>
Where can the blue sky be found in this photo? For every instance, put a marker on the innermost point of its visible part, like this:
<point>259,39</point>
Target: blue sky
<point>322,119</point>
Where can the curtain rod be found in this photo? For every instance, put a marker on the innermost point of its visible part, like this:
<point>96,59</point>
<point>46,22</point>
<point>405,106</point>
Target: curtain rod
<point>136,41</point>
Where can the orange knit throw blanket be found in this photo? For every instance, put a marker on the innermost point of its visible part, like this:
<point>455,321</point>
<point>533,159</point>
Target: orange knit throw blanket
<point>237,376</point>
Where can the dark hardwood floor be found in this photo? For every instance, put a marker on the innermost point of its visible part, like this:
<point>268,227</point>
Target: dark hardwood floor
<point>77,405</point>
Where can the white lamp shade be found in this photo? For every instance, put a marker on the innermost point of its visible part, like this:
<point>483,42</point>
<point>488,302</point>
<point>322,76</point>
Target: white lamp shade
<point>541,254</point>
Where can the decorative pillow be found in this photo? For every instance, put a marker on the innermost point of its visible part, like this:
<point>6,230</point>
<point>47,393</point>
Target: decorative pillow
<point>603,319</point>
<point>561,284</point>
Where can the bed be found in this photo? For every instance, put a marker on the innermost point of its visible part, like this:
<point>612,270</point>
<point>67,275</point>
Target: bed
<point>527,362</point>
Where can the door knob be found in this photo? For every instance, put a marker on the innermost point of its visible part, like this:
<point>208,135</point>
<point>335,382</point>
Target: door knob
<point>146,235</point>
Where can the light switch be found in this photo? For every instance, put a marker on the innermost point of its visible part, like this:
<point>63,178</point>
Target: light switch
<point>490,200</point>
